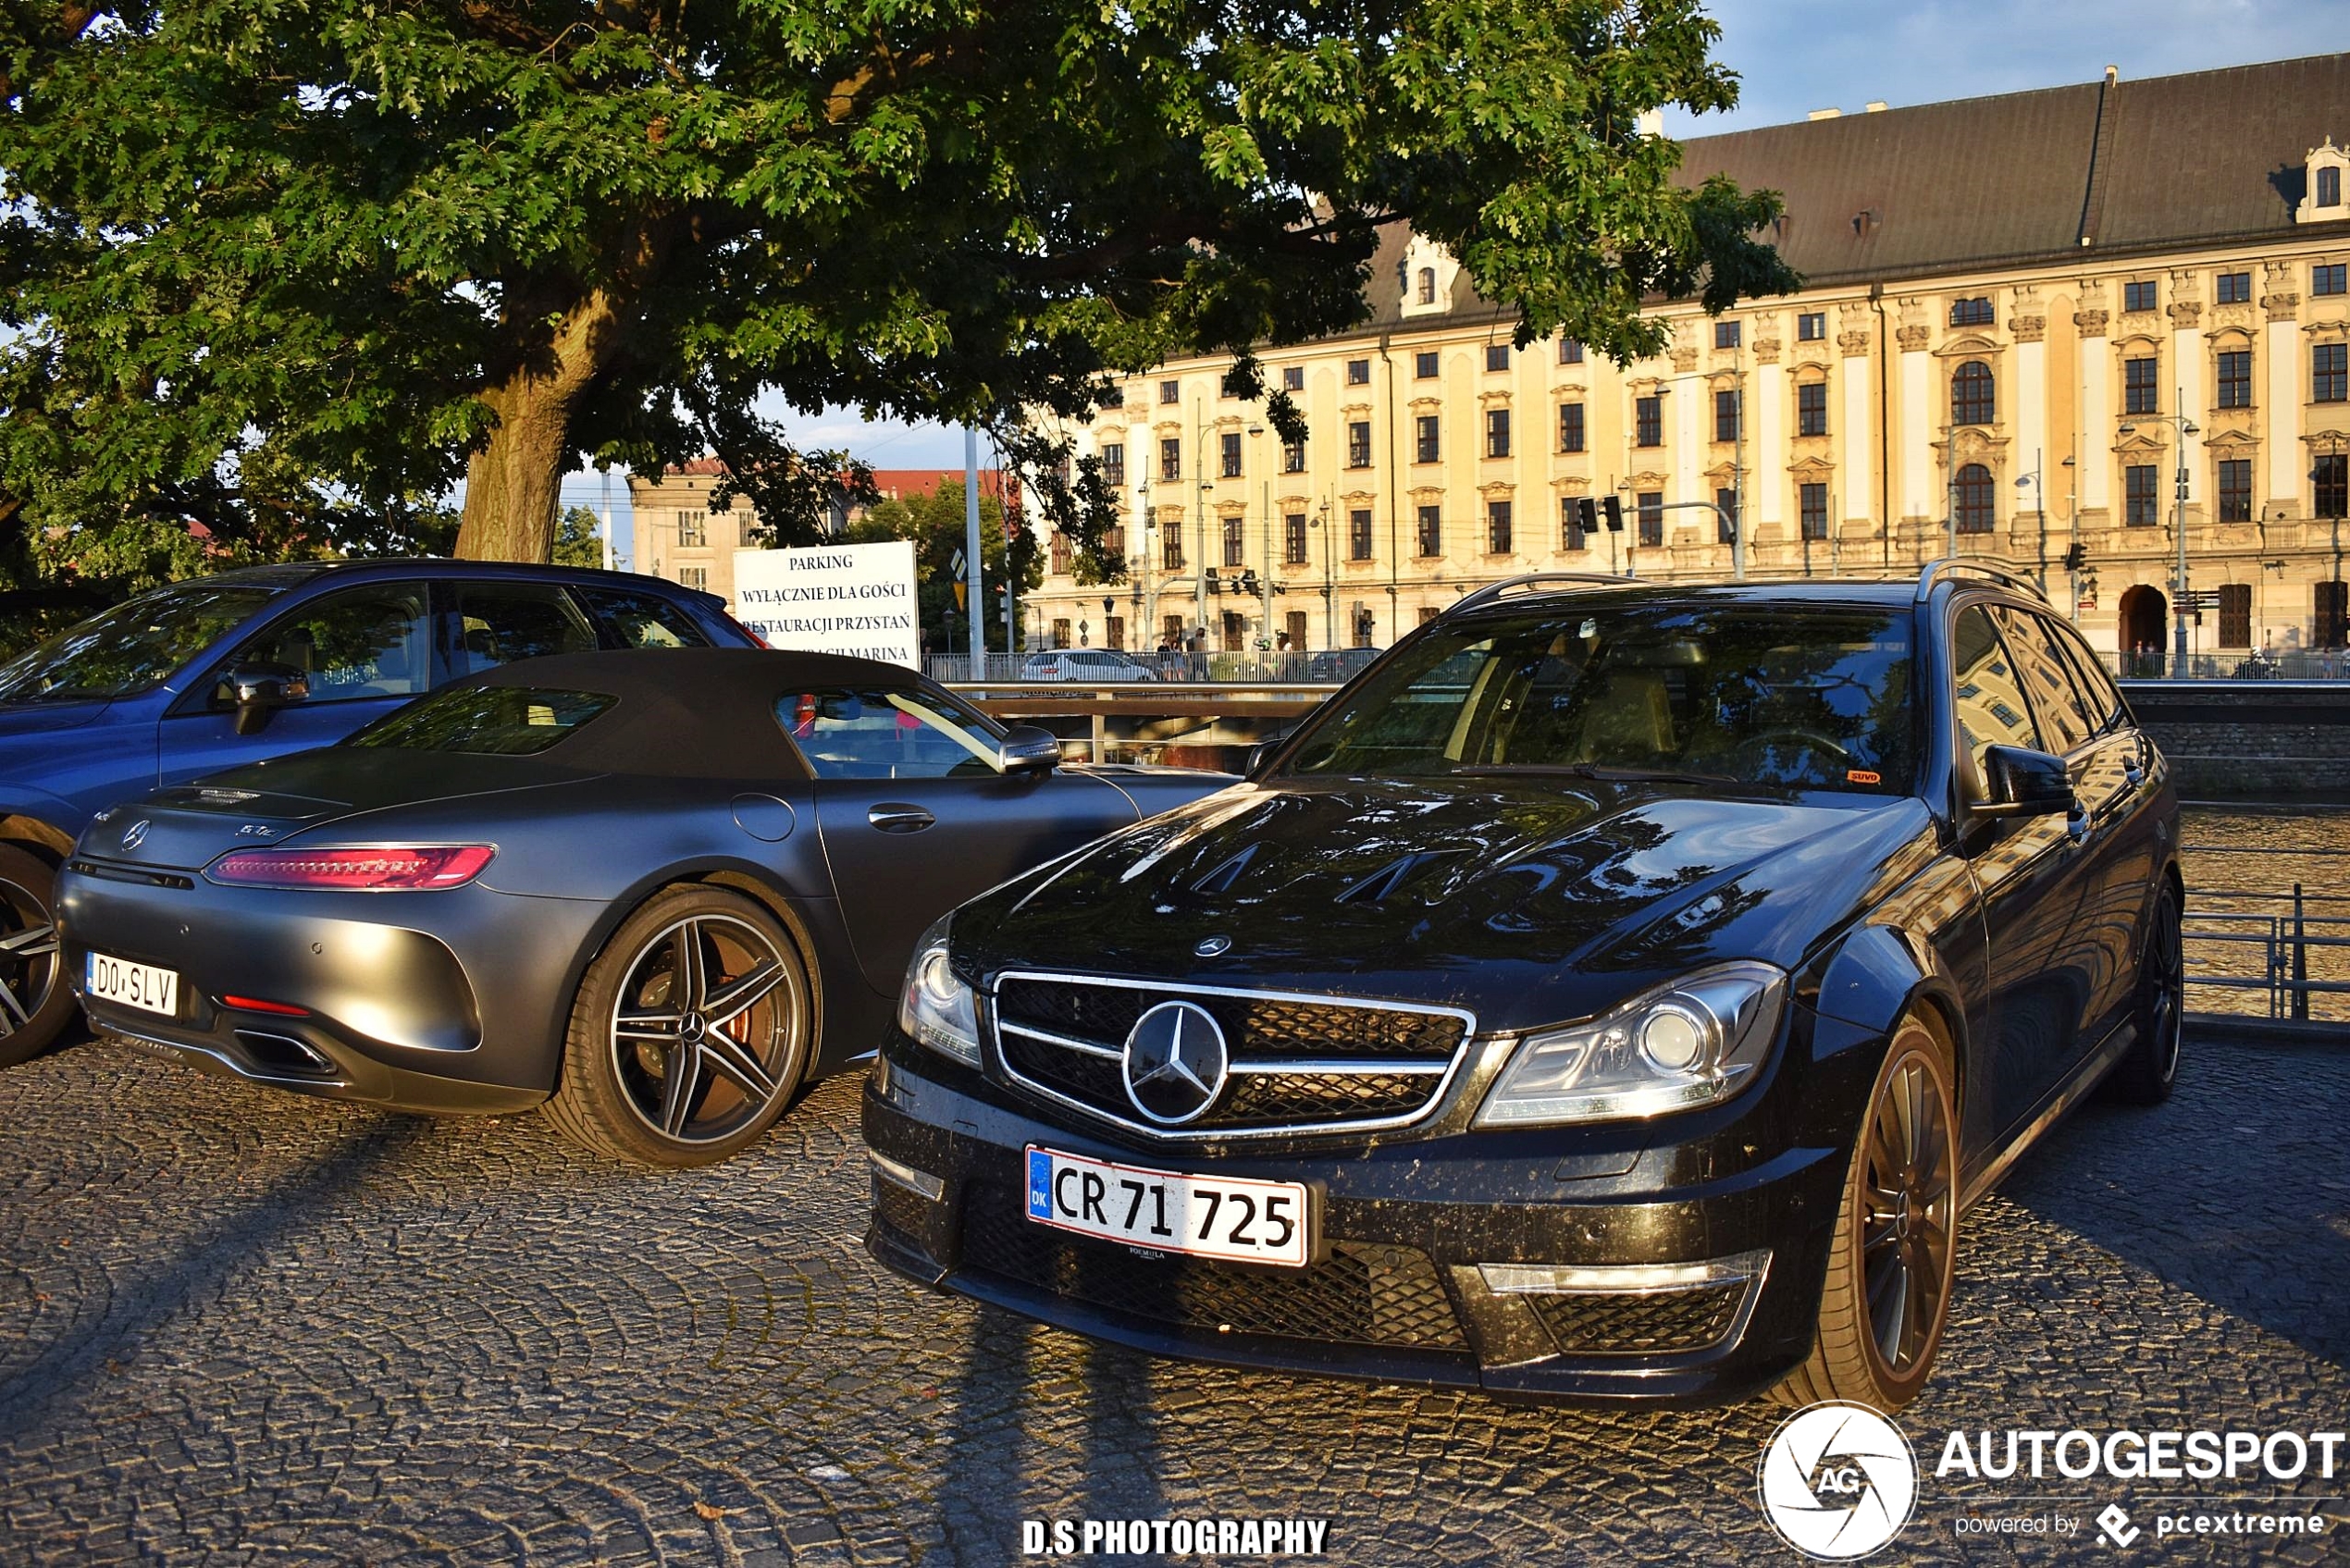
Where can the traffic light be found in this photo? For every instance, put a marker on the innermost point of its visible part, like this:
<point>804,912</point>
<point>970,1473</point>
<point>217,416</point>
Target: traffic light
<point>1613,506</point>
<point>1587,514</point>
<point>1214,583</point>
<point>1249,583</point>
<point>2075,558</point>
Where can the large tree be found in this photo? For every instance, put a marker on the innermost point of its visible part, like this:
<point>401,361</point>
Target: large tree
<point>299,264</point>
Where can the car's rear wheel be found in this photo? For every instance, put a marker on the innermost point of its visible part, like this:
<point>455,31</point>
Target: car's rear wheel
<point>1894,1253</point>
<point>35,1003</point>
<point>2146,1072</point>
<point>689,1035</point>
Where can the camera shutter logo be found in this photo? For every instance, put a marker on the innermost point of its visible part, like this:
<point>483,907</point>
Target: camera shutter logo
<point>1838,1481</point>
<point>1175,1061</point>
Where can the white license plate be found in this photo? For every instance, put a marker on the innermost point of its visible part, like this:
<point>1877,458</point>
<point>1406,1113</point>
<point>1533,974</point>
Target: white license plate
<point>1209,1216</point>
<point>132,985</point>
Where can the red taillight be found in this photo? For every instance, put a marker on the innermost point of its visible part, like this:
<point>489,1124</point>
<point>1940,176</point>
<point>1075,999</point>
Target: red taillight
<point>354,870</point>
<point>255,1004</point>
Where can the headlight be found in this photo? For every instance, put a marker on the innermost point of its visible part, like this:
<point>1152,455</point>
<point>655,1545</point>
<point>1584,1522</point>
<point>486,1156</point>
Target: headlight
<point>1689,1044</point>
<point>935,1007</point>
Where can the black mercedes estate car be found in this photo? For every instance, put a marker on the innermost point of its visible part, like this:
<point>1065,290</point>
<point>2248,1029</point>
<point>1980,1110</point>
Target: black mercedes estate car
<point>1617,991</point>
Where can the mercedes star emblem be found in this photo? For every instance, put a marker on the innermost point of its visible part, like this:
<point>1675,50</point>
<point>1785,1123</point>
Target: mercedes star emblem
<point>1213,946</point>
<point>135,835</point>
<point>1176,1063</point>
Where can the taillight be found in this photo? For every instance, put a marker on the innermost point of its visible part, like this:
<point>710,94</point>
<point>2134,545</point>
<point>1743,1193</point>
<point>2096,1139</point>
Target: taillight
<point>401,869</point>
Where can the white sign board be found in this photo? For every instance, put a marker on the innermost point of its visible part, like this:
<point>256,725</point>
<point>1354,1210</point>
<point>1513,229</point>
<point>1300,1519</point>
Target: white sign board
<point>832,599</point>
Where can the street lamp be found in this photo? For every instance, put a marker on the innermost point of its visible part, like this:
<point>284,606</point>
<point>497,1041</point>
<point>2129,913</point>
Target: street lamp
<point>1329,576</point>
<point>2185,427</point>
<point>2040,509</point>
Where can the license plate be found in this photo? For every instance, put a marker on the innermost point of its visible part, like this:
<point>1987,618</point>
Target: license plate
<point>1209,1216</point>
<point>131,985</point>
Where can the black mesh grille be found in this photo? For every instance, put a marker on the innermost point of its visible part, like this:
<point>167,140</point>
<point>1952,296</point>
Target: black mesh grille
<point>1600,1324</point>
<point>1273,1098</point>
<point>902,1211</point>
<point>1361,1294</point>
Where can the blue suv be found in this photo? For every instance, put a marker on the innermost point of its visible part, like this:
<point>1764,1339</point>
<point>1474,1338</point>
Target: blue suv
<point>218,671</point>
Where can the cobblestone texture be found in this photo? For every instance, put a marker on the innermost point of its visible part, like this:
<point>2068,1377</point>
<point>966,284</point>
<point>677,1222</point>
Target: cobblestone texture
<point>245,1327</point>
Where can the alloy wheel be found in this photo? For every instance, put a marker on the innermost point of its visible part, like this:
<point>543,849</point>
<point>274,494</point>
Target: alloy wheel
<point>28,956</point>
<point>707,1029</point>
<point>1910,1200</point>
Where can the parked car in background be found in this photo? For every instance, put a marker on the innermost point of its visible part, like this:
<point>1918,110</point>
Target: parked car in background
<point>1340,663</point>
<point>206,673</point>
<point>657,892</point>
<point>1105,665</point>
<point>1621,991</point>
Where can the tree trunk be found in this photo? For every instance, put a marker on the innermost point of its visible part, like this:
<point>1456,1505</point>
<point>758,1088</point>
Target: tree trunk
<point>512,484</point>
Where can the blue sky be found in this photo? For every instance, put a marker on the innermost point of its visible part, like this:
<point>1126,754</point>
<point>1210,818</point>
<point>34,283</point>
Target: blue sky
<point>1793,58</point>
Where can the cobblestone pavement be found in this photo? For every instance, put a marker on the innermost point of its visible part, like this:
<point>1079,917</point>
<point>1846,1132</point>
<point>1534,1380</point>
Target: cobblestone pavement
<point>253,1328</point>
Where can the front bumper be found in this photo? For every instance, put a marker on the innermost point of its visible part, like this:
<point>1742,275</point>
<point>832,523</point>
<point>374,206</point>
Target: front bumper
<point>1484,1259</point>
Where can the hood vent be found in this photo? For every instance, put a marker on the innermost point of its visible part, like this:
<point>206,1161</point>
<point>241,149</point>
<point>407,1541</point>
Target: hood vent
<point>1224,875</point>
<point>1382,885</point>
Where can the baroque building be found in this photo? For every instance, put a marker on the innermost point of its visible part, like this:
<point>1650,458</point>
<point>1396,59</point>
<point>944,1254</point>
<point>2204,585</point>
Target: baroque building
<point>2052,326</point>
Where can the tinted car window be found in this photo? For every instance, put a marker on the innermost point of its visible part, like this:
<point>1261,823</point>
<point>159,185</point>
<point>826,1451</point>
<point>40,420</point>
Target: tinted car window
<point>500,623</point>
<point>2064,722</point>
<point>2097,686</point>
<point>1991,706</point>
<point>372,641</point>
<point>133,648</point>
<point>642,620</point>
<point>1816,699</point>
<point>879,733</point>
<point>497,721</point>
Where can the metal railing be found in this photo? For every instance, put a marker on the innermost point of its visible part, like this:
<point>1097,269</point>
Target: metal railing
<point>2234,664</point>
<point>2254,951</point>
<point>1247,666</point>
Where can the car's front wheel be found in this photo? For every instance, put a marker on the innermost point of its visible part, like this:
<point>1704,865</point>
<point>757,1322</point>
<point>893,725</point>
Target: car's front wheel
<point>690,1032</point>
<point>1894,1253</point>
<point>35,1003</point>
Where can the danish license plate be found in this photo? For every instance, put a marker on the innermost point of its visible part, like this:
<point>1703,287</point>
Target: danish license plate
<point>1209,1216</point>
<point>130,986</point>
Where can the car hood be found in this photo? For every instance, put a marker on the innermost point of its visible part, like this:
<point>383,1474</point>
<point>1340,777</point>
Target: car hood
<point>47,718</point>
<point>1527,905</point>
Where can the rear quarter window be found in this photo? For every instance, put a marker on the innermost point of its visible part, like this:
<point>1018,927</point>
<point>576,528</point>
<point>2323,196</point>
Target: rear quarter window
<point>486,721</point>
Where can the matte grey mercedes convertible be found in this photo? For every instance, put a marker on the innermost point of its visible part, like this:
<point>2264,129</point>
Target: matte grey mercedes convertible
<point>657,891</point>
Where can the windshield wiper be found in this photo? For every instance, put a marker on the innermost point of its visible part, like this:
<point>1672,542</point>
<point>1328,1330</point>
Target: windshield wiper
<point>1600,771</point>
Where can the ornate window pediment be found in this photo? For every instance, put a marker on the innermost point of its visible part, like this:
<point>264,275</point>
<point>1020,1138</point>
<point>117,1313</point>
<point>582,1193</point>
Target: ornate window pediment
<point>2325,190</point>
<point>1968,345</point>
<point>1430,272</point>
<point>1812,470</point>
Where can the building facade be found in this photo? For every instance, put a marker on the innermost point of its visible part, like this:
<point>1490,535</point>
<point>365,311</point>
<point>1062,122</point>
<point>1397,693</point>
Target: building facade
<point>2048,326</point>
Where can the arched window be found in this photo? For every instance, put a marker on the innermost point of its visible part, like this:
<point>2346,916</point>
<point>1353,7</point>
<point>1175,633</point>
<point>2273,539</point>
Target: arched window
<point>1972,401</point>
<point>1971,312</point>
<point>1974,500</point>
<point>1428,285</point>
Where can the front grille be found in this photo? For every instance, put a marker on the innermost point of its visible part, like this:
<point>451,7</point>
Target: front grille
<point>1295,1061</point>
<point>1658,1323</point>
<point>1361,1294</point>
<point>907,1212</point>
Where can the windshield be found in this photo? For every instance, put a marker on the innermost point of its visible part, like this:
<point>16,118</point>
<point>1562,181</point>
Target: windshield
<point>485,720</point>
<point>1790,697</point>
<point>133,648</point>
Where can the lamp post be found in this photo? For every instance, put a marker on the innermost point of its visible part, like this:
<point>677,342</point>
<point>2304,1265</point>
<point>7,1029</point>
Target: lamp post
<point>2185,427</point>
<point>1265,512</point>
<point>1329,577</point>
<point>2039,509</point>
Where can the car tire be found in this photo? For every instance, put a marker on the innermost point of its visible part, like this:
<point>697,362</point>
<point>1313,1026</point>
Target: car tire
<point>690,1033</point>
<point>2148,1070</point>
<point>1893,1258</point>
<point>35,1003</point>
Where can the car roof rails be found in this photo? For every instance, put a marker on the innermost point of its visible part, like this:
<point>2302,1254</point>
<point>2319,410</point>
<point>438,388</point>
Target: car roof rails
<point>2006,574</point>
<point>1540,579</point>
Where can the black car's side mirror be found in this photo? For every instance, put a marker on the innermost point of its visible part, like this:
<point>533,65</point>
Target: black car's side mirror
<point>1028,749</point>
<point>2020,782</point>
<point>1262,752</point>
<point>259,690</point>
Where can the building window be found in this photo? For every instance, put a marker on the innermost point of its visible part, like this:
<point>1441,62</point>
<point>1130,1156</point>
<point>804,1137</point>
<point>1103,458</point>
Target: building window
<point>1813,501</point>
<point>1171,391</point>
<point>2332,474</point>
<point>1570,427</point>
<point>1171,628</point>
<point>1114,542</point>
<point>1230,451</point>
<point>1497,432</point>
<point>1229,385</point>
<point>1571,534</point>
<point>1114,464</point>
<point>1648,422</point>
<point>1358,373</point>
<point>1114,631</point>
<point>1366,626</point>
<point>1233,545</point>
<point>1497,356</point>
<point>693,578</point>
<point>2329,188</point>
<point>1726,515</point>
<point>1060,553</point>
<point>1975,312</point>
<point>2235,614</point>
<point>2332,617</point>
<point>1424,447</point>
<point>1358,534</point>
<point>1292,379</point>
<point>1170,547</point>
<point>1432,530</point>
<point>1293,457</point>
<point>2330,373</point>
<point>2236,379</point>
<point>1424,364</point>
<point>1358,443</point>
<point>2138,386</point>
<point>1972,497</point>
<point>1651,504</point>
<point>1972,400</point>
<point>2233,287</point>
<point>747,530</point>
<point>1811,326</point>
<point>1728,334</point>
<point>1570,352</point>
<point>2329,279</point>
<point>1295,622</point>
<point>693,529</point>
<point>1726,415</point>
<point>1812,409</point>
<point>2137,296</point>
<point>2236,489</point>
<point>1427,286</point>
<point>2140,509</point>
<point>1497,527</point>
<point>1293,539</point>
<point>1171,458</point>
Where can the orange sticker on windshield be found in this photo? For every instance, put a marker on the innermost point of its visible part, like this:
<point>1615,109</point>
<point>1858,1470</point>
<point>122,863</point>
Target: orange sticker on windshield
<point>1860,775</point>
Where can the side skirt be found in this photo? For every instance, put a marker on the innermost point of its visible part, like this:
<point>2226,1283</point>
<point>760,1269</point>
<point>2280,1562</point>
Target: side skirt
<point>2075,1089</point>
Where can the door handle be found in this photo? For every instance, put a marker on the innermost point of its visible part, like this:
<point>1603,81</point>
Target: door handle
<point>893,817</point>
<point>2076,827</point>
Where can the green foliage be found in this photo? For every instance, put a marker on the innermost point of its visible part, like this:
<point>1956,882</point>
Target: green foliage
<point>284,267</point>
<point>578,542</point>
<point>934,521</point>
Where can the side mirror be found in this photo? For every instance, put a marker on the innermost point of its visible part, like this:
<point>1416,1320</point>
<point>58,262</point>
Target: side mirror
<point>2018,782</point>
<point>1262,752</point>
<point>259,690</point>
<point>1028,749</point>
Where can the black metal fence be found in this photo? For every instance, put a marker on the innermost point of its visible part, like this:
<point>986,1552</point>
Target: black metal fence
<point>2257,946</point>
